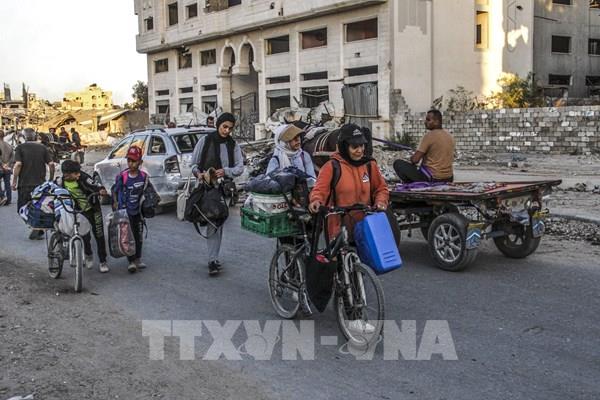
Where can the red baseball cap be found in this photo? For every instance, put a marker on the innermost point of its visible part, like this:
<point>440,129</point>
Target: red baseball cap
<point>134,153</point>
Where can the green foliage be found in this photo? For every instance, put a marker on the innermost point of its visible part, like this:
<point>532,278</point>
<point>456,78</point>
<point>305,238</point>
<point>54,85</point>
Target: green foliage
<point>461,99</point>
<point>140,96</point>
<point>405,140</point>
<point>517,92</point>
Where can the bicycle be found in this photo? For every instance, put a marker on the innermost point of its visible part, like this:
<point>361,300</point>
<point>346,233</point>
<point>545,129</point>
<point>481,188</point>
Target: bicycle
<point>358,294</point>
<point>62,246</point>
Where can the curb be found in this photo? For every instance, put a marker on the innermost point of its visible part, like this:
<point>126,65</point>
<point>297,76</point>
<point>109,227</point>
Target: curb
<point>578,218</point>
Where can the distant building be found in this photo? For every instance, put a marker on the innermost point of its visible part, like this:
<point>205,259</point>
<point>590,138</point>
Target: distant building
<point>91,98</point>
<point>567,47</point>
<point>372,59</point>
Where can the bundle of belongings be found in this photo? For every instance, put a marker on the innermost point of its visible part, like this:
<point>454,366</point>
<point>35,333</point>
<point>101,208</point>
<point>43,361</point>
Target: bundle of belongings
<point>52,207</point>
<point>206,204</point>
<point>272,193</point>
<point>121,242</point>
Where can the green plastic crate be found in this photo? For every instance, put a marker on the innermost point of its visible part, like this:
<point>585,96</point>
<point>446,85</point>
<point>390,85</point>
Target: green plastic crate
<point>269,225</point>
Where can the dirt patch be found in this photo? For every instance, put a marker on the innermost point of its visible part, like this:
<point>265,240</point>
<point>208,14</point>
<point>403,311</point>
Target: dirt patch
<point>57,344</point>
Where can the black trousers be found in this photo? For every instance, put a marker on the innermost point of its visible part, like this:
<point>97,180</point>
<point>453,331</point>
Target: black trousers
<point>137,227</point>
<point>24,196</point>
<point>409,173</point>
<point>97,229</point>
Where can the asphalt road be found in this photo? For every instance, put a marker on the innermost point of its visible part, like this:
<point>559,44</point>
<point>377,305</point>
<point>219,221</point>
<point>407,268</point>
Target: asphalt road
<point>522,329</point>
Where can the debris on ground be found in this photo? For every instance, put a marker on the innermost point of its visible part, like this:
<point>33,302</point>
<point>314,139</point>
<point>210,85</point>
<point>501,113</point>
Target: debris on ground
<point>580,187</point>
<point>596,189</point>
<point>573,230</point>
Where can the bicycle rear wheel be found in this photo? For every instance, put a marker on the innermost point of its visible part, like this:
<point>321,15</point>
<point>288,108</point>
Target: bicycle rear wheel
<point>56,257</point>
<point>285,281</point>
<point>77,262</point>
<point>362,321</point>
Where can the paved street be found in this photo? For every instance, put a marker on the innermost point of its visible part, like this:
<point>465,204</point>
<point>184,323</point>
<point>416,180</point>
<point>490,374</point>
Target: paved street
<point>524,329</point>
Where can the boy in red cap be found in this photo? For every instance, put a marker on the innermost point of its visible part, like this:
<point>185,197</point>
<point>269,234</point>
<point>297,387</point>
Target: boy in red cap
<point>129,190</point>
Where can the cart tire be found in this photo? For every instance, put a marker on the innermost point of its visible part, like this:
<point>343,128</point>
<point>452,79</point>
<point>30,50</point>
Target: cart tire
<point>518,245</point>
<point>447,242</point>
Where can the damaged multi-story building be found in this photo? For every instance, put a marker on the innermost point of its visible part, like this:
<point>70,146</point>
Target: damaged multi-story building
<point>372,59</point>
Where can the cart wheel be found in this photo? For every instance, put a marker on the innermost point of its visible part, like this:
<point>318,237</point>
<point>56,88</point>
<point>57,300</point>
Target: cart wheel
<point>519,243</point>
<point>447,241</point>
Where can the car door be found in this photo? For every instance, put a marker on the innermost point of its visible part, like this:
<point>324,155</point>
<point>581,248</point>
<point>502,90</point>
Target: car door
<point>155,156</point>
<point>114,163</point>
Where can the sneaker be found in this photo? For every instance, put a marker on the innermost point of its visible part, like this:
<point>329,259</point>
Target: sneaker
<point>132,268</point>
<point>213,268</point>
<point>361,327</point>
<point>2,201</point>
<point>140,264</point>
<point>218,264</point>
<point>89,262</point>
<point>36,235</point>
<point>104,267</point>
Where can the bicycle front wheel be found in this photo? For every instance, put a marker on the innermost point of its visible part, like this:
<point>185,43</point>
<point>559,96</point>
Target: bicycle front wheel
<point>77,262</point>
<point>55,255</point>
<point>285,281</point>
<point>360,319</point>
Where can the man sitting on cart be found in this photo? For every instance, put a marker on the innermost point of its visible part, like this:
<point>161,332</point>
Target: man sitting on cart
<point>435,153</point>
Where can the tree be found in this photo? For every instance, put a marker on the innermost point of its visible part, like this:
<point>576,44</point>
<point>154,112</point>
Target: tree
<point>140,96</point>
<point>517,92</point>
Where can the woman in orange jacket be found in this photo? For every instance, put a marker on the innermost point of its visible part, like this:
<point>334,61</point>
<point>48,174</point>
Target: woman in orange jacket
<point>360,181</point>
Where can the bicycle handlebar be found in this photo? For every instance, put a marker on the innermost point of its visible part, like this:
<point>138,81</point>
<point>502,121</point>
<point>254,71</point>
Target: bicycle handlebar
<point>345,210</point>
<point>76,210</point>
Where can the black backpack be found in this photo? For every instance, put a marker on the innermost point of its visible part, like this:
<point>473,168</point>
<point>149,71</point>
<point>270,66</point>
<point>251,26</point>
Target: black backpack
<point>206,205</point>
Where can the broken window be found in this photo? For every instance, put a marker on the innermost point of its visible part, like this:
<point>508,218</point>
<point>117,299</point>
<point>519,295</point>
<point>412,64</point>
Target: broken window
<point>278,99</point>
<point>208,57</point>
<point>209,87</point>
<point>191,10</point>
<point>361,30</point>
<point>209,104</point>
<point>316,38</point>
<point>164,92</point>
<point>561,44</point>
<point>563,2</point>
<point>278,79</point>
<point>594,47</point>
<point>161,65</point>
<point>185,60</point>
<point>312,97</point>
<point>313,76</point>
<point>563,80</point>
<point>218,5</point>
<point>278,45</point>
<point>173,14</point>
<point>481,30</point>
<point>157,145</point>
<point>373,69</point>
<point>592,80</point>
<point>186,105</point>
<point>149,23</point>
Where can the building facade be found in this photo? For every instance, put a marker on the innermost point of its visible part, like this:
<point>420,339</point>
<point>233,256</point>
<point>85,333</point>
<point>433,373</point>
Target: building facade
<point>91,98</point>
<point>372,59</point>
<point>567,47</point>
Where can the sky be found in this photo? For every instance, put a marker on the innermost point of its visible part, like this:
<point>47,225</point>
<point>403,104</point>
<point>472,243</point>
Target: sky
<point>58,46</point>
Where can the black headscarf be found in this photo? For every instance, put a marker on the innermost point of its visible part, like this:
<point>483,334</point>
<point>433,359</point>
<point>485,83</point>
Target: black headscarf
<point>347,136</point>
<point>225,117</point>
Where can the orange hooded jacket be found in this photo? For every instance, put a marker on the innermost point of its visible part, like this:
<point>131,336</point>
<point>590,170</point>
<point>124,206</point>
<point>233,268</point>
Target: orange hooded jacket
<point>354,187</point>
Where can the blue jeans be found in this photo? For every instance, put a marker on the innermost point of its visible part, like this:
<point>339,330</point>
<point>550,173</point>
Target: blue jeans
<point>6,190</point>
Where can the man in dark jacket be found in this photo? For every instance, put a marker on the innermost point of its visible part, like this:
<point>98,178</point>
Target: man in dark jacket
<point>78,154</point>
<point>80,185</point>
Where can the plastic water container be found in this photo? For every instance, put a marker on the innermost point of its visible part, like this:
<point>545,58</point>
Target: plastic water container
<point>376,245</point>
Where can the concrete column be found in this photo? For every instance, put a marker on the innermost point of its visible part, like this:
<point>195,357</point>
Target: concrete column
<point>224,91</point>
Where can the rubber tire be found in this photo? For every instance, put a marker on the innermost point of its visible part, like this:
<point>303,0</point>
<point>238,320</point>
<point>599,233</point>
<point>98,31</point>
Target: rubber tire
<point>54,242</point>
<point>78,259</point>
<point>466,257</point>
<point>273,277</point>
<point>340,311</point>
<point>529,245</point>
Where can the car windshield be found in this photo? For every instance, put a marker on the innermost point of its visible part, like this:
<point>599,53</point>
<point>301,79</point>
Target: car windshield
<point>186,142</point>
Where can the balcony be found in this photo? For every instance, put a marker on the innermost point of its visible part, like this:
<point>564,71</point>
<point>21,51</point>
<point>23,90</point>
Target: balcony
<point>249,16</point>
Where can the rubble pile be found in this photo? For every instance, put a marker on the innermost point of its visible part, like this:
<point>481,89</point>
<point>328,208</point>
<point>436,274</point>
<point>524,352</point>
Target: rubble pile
<point>573,230</point>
